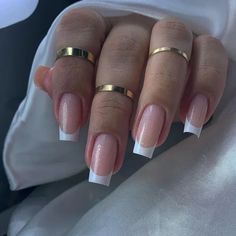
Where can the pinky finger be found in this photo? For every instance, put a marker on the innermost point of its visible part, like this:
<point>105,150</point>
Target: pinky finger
<point>206,83</point>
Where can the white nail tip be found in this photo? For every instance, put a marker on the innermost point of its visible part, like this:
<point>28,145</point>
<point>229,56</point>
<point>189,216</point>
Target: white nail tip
<point>98,179</point>
<point>189,128</point>
<point>74,137</point>
<point>147,152</point>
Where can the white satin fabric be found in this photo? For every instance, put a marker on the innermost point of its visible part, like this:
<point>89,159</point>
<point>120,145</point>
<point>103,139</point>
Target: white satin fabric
<point>13,11</point>
<point>189,189</point>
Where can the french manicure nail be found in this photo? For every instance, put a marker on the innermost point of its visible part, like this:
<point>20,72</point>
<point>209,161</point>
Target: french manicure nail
<point>149,130</point>
<point>103,159</point>
<point>196,115</point>
<point>69,117</point>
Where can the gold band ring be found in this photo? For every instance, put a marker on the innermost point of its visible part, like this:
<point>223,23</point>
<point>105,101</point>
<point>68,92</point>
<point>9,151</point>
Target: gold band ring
<point>167,49</point>
<point>77,52</point>
<point>114,88</point>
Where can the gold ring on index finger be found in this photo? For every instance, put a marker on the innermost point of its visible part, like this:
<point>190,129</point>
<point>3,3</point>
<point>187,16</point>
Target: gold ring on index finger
<point>76,52</point>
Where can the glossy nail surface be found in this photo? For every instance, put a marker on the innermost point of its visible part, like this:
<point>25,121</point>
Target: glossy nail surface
<point>69,117</point>
<point>149,130</point>
<point>103,159</point>
<point>196,115</point>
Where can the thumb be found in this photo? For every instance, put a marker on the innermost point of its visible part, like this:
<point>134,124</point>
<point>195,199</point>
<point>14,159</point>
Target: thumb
<point>43,79</point>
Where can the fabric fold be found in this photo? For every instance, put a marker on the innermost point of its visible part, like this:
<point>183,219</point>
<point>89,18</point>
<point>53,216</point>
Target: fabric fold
<point>188,190</point>
<point>31,145</point>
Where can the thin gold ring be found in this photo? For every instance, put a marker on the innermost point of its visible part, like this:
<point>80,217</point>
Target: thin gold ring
<point>167,49</point>
<point>114,88</point>
<point>76,52</point>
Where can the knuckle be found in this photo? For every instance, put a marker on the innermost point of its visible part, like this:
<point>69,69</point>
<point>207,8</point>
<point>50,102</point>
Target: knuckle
<point>70,77</point>
<point>68,67</point>
<point>126,47</point>
<point>209,76</point>
<point>209,42</point>
<point>66,64</point>
<point>82,20</point>
<point>174,27</point>
<point>110,103</point>
<point>124,43</point>
<point>210,72</point>
<point>165,76</point>
<point>211,56</point>
<point>208,39</point>
<point>168,88</point>
<point>81,27</point>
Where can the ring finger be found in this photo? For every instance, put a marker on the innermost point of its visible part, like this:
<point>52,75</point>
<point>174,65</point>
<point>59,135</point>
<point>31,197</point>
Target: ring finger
<point>165,79</point>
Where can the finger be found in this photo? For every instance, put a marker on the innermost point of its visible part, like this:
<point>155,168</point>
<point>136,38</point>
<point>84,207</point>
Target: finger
<point>43,79</point>
<point>121,63</point>
<point>206,83</point>
<point>73,77</point>
<point>164,81</point>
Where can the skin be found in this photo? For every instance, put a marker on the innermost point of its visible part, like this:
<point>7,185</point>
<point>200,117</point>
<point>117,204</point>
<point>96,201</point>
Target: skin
<point>122,45</point>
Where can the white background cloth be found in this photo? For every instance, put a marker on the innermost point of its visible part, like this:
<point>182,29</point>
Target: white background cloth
<point>12,11</point>
<point>188,190</point>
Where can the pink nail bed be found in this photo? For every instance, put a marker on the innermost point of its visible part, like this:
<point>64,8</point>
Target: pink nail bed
<point>196,115</point>
<point>103,159</point>
<point>149,130</point>
<point>69,117</point>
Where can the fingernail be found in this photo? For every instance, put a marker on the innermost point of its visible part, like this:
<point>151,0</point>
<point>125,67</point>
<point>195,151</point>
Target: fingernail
<point>149,130</point>
<point>196,115</point>
<point>69,117</point>
<point>103,159</point>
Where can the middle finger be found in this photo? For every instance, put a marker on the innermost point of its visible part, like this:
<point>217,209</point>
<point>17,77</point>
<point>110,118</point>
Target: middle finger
<point>121,64</point>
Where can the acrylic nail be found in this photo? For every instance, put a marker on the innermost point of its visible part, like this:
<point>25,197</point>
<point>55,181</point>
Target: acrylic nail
<point>103,159</point>
<point>69,117</point>
<point>196,115</point>
<point>149,130</point>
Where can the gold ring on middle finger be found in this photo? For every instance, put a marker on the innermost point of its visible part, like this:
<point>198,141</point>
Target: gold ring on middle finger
<point>113,88</point>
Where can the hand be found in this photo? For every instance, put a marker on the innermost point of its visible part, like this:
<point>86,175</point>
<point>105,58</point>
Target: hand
<point>165,84</point>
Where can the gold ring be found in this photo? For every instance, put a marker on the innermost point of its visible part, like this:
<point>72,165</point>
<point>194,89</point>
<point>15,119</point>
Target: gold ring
<point>114,88</point>
<point>77,52</point>
<point>167,49</point>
